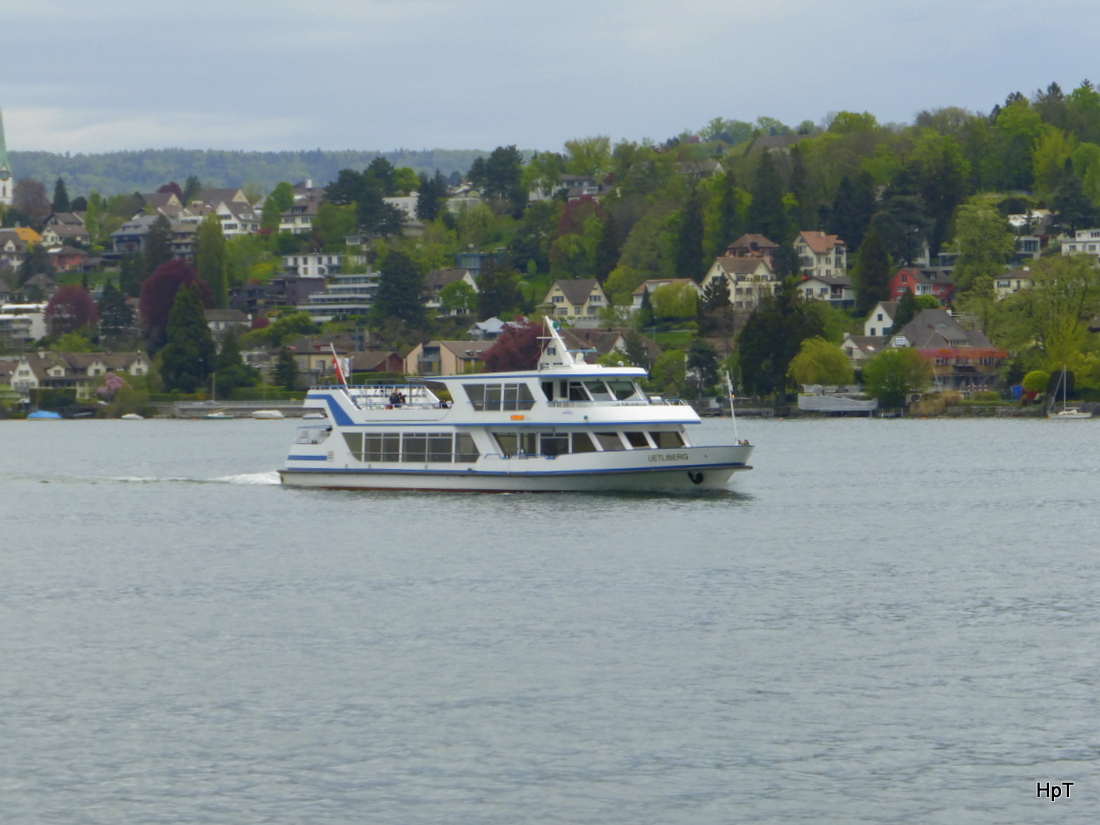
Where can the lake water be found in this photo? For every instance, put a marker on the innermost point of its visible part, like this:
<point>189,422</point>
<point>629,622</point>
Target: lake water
<point>889,621</point>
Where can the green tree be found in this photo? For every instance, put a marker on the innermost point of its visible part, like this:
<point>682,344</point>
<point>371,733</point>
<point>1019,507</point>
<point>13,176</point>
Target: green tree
<point>116,318</point>
<point>333,223</point>
<point>405,180</point>
<point>772,337</point>
<point>188,357</point>
<point>497,289</point>
<point>192,188</point>
<point>210,259</point>
<point>1036,381</point>
<point>280,199</point>
<point>60,197</point>
<point>606,255</point>
<point>590,157</point>
<point>158,245</point>
<point>1074,208</point>
<point>820,362</point>
<point>689,240</point>
<point>1048,323</point>
<point>674,302</point>
<point>429,196</point>
<point>872,272</point>
<point>131,273</point>
<point>942,172</point>
<point>985,244</point>
<point>894,374</point>
<point>458,297</point>
<point>767,210</point>
<point>286,371</point>
<point>702,361</point>
<point>669,371</point>
<point>399,286</point>
<point>230,371</point>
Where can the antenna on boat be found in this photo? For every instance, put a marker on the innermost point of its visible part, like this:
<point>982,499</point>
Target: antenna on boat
<point>733,412</point>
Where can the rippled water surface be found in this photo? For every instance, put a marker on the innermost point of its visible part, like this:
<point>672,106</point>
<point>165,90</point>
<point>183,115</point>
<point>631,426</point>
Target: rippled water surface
<point>888,621</point>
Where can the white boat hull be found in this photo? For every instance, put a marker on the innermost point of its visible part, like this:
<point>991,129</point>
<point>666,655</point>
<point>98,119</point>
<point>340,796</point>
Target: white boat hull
<point>689,468</point>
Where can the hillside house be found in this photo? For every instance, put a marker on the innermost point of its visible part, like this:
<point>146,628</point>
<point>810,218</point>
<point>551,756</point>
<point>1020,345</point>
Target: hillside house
<point>446,357</point>
<point>961,358</point>
<point>922,282</point>
<point>574,300</point>
<point>821,255</point>
<point>748,279</point>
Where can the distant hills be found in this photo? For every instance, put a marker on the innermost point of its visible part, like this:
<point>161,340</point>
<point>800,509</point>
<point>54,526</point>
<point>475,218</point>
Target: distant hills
<point>112,173</point>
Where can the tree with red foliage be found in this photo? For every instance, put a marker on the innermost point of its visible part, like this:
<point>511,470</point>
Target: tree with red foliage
<point>172,187</point>
<point>576,214</point>
<point>71,309</point>
<point>517,348</point>
<point>158,293</point>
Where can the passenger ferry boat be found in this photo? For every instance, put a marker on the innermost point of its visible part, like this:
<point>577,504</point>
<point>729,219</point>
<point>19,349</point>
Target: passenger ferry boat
<point>567,426</point>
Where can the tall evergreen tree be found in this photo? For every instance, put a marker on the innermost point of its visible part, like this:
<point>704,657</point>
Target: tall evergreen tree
<point>767,212</point>
<point>400,285</point>
<point>131,273</point>
<point>188,357</point>
<point>729,219</point>
<point>427,199</point>
<point>158,245</point>
<point>192,188</point>
<point>872,272</point>
<point>61,197</point>
<point>231,371</point>
<point>689,240</point>
<point>772,337</point>
<point>286,371</point>
<point>785,261</point>
<point>210,259</point>
<point>116,318</point>
<point>1074,208</point>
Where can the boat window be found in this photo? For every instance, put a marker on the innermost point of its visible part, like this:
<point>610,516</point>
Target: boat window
<point>577,392</point>
<point>518,397</point>
<point>637,440</point>
<point>312,435</point>
<point>597,390</point>
<point>492,397</point>
<point>465,448</point>
<point>414,447</point>
<point>553,444</point>
<point>622,388</point>
<point>439,447</point>
<point>476,394</point>
<point>582,443</point>
<point>508,443</point>
<point>381,447</point>
<point>548,390</point>
<point>609,442</point>
<point>667,440</point>
<point>528,444</point>
<point>355,444</point>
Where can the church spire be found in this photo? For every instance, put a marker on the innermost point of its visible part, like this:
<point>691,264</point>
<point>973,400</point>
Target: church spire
<point>6,182</point>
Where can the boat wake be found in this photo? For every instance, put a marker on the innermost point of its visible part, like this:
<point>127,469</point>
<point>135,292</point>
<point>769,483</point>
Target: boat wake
<point>261,479</point>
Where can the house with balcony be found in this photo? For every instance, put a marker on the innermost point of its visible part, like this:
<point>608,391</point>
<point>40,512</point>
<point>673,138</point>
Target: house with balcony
<point>821,255</point>
<point>344,296</point>
<point>748,278</point>
<point>313,264</point>
<point>961,359</point>
<point>836,289</point>
<point>1083,242</point>
<point>932,282</point>
<point>446,357</point>
<point>753,246</point>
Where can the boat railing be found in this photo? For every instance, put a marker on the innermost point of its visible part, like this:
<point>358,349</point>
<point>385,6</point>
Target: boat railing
<point>629,402</point>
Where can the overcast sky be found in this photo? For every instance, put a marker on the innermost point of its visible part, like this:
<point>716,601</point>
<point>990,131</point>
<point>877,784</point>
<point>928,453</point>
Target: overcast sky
<point>84,76</point>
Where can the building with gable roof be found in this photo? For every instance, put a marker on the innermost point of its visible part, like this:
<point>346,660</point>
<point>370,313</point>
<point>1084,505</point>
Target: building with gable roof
<point>932,282</point>
<point>748,279</point>
<point>446,357</point>
<point>961,358</point>
<point>574,300</point>
<point>880,319</point>
<point>752,246</point>
<point>437,279</point>
<point>836,289</point>
<point>821,255</point>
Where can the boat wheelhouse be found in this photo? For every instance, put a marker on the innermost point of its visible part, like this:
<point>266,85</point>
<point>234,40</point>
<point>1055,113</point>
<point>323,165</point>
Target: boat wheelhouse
<point>567,427</point>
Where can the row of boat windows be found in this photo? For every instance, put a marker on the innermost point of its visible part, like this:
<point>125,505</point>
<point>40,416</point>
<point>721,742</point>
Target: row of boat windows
<point>554,444</point>
<point>504,397</point>
<point>445,448</point>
